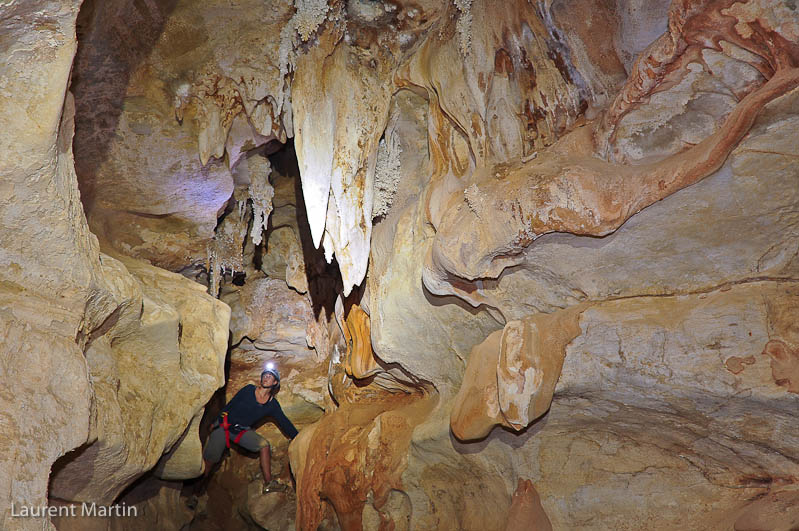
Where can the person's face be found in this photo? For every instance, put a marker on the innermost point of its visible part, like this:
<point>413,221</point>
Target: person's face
<point>268,380</point>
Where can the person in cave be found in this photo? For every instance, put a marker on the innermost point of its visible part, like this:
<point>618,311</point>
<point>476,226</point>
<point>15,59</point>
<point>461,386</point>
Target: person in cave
<point>234,425</point>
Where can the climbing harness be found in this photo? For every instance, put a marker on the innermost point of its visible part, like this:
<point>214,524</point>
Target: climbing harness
<point>227,426</point>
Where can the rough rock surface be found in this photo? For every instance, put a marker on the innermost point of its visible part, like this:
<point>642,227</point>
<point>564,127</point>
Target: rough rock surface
<point>354,458</point>
<point>50,261</point>
<point>510,378</point>
<point>166,112</point>
<point>526,511</point>
<point>289,328</point>
<point>151,372</point>
<point>62,297</point>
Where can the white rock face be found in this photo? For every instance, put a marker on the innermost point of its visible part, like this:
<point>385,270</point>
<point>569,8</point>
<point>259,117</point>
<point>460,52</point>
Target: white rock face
<point>337,145</point>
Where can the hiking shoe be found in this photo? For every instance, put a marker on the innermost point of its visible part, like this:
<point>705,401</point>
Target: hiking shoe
<point>274,486</point>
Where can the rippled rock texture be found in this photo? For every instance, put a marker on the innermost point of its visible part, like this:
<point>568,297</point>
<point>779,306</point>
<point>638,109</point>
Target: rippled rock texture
<point>642,147</point>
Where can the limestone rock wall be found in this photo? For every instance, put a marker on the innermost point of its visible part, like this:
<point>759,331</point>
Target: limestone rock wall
<point>152,372</point>
<point>638,152</point>
<point>169,103</point>
<point>47,276</point>
<point>64,301</point>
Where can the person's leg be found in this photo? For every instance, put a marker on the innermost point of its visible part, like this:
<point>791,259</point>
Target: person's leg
<point>255,443</point>
<point>212,453</point>
<point>214,446</point>
<point>266,463</point>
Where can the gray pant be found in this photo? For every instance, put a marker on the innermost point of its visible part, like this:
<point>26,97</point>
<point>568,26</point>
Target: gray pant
<point>216,443</point>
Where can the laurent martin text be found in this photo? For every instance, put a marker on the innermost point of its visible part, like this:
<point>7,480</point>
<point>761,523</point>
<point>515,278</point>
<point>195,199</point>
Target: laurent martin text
<point>84,509</point>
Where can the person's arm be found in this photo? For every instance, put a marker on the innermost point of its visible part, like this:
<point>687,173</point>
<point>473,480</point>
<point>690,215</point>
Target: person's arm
<point>283,421</point>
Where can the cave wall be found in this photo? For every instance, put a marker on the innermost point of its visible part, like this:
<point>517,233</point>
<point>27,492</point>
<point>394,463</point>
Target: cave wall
<point>640,153</point>
<point>83,332</point>
<point>46,393</point>
<point>170,99</point>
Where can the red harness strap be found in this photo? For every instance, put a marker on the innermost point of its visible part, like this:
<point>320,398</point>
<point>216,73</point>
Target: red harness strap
<point>226,427</point>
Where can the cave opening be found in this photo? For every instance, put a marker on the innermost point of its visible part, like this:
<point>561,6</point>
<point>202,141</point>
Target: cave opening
<point>235,223</point>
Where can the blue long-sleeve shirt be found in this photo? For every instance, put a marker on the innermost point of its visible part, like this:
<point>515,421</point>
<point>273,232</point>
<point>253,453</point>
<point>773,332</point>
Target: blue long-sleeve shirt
<point>244,410</point>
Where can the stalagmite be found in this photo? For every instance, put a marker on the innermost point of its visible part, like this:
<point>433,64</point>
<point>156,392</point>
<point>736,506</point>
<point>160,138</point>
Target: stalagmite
<point>526,513</point>
<point>261,193</point>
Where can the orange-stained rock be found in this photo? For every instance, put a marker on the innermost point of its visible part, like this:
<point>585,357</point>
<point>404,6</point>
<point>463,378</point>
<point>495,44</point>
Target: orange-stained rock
<point>566,189</point>
<point>736,364</point>
<point>359,361</point>
<point>575,185</point>
<point>510,378</point>
<point>526,513</point>
<point>530,360</point>
<point>476,408</point>
<point>783,316</point>
<point>298,451</point>
<point>353,456</point>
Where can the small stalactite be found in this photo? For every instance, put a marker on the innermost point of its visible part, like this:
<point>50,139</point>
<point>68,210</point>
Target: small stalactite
<point>261,194</point>
<point>251,210</point>
<point>211,265</point>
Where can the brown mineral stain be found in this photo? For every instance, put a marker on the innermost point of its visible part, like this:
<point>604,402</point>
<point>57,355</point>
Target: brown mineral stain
<point>775,510</point>
<point>356,450</point>
<point>784,364</point>
<point>503,65</point>
<point>736,364</point>
<point>359,360</point>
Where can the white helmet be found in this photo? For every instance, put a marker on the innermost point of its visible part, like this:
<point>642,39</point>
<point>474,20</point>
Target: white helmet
<point>271,369</point>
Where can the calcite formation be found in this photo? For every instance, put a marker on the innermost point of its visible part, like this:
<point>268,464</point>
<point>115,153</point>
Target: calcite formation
<point>510,379</point>
<point>359,361</point>
<point>166,112</point>
<point>355,456</point>
<point>289,328</point>
<point>526,511</point>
